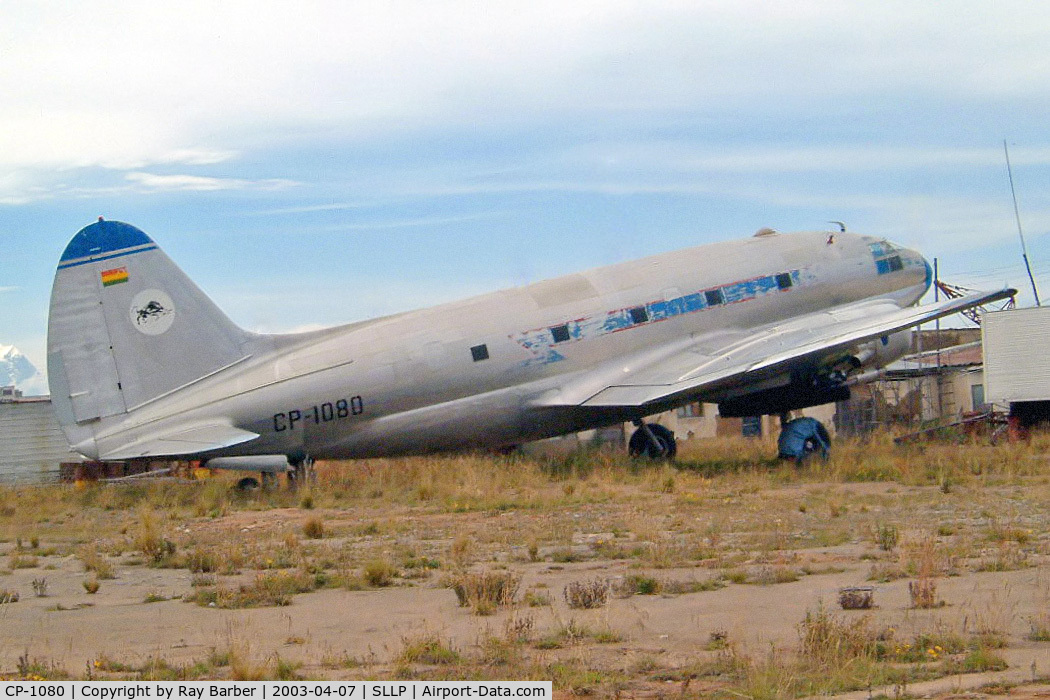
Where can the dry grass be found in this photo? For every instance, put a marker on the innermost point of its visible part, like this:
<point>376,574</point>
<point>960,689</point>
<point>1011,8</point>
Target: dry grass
<point>485,591</point>
<point>23,561</point>
<point>927,565</point>
<point>857,597</point>
<point>586,594</point>
<point>313,528</point>
<point>428,648</point>
<point>149,540</point>
<point>923,592</point>
<point>830,641</point>
<point>265,590</point>
<point>95,562</point>
<point>379,572</point>
<point>728,512</point>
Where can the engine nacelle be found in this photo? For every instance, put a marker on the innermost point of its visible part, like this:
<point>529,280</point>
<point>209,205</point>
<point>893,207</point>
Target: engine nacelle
<point>879,352</point>
<point>782,399</point>
<point>824,387</point>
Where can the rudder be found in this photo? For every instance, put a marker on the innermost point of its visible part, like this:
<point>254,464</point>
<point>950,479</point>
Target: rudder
<point>126,326</point>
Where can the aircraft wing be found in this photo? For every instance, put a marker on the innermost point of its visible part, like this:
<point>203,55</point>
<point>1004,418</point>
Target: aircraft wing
<point>200,438</point>
<point>741,359</point>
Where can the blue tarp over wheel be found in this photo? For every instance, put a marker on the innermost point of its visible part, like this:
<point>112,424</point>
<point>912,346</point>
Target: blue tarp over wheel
<point>802,437</point>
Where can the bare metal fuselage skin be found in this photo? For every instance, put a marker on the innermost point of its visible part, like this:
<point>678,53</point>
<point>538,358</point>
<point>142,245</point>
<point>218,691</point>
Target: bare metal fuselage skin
<point>488,371</point>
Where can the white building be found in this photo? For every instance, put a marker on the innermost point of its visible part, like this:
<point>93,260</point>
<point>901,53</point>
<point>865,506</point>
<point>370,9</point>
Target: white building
<point>32,445</point>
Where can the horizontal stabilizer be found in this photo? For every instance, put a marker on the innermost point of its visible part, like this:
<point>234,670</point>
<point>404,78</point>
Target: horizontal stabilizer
<point>201,438</point>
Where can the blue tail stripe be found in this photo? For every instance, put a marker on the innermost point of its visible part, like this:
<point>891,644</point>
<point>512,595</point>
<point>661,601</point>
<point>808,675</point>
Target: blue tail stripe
<point>102,237</point>
<point>118,254</point>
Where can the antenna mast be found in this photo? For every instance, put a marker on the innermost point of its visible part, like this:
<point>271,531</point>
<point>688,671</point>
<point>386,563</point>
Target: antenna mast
<point>1020,233</point>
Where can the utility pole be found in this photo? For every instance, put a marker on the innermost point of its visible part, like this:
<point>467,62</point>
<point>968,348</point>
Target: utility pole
<point>1020,233</point>
<point>936,298</point>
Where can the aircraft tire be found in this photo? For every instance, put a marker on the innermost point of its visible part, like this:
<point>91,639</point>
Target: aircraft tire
<point>812,446</point>
<point>640,445</point>
<point>248,483</point>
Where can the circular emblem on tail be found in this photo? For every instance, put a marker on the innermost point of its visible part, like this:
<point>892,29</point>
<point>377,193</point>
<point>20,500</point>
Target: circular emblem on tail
<point>152,312</point>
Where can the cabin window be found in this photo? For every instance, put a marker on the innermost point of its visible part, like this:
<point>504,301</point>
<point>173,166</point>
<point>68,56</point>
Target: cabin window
<point>784,280</point>
<point>480,352</point>
<point>560,333</point>
<point>714,297</point>
<point>639,315</point>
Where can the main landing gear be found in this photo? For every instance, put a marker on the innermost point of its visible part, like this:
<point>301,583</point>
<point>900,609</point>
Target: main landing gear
<point>802,438</point>
<point>266,481</point>
<point>653,441</point>
<point>301,473</point>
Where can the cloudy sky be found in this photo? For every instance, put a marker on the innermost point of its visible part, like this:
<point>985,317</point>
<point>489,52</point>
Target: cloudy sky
<point>312,163</point>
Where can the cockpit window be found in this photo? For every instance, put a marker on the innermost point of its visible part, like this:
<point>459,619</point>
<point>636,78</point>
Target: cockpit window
<point>883,249</point>
<point>887,257</point>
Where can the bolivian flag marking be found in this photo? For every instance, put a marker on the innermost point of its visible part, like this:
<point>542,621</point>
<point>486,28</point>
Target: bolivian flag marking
<point>114,276</point>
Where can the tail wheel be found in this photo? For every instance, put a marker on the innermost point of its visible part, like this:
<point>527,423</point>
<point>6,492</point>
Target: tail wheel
<point>248,483</point>
<point>653,441</point>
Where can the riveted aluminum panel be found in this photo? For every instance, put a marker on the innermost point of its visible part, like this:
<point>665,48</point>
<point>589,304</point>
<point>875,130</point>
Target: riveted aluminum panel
<point>31,443</point>
<point>1017,355</point>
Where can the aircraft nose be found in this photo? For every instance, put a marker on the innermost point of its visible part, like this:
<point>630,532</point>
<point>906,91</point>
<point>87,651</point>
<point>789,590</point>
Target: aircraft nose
<point>926,264</point>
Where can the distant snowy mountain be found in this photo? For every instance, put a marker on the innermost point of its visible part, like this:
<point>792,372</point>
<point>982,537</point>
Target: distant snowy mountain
<point>15,368</point>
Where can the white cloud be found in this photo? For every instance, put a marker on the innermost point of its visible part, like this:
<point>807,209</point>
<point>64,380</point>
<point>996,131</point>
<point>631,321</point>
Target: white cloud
<point>197,183</point>
<point>311,208</point>
<point>200,81</point>
<point>195,156</point>
<point>417,222</point>
<point>666,157</point>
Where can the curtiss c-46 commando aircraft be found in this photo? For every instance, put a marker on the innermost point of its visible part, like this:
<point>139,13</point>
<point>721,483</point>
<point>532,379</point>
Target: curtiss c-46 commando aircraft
<point>142,364</point>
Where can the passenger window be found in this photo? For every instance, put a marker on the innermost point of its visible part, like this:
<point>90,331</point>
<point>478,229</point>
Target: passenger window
<point>560,333</point>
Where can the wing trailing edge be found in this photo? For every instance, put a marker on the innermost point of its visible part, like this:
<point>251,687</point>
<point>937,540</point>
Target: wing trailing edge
<point>750,359</point>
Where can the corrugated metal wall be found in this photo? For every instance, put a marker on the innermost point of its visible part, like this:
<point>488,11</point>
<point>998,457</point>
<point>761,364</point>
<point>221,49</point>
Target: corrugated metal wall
<point>31,443</point>
<point>1017,355</point>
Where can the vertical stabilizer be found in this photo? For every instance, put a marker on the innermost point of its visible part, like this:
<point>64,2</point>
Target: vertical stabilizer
<point>126,326</point>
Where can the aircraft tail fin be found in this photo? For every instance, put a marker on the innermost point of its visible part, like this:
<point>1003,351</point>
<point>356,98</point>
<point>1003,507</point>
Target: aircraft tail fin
<point>126,326</point>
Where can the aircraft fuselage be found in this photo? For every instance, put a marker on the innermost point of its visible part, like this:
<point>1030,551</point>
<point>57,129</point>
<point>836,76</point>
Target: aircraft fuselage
<point>479,372</point>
